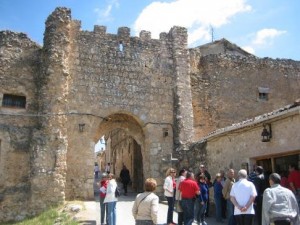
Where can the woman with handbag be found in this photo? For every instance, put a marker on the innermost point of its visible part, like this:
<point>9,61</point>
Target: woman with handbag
<point>145,207</point>
<point>170,191</point>
<point>111,199</point>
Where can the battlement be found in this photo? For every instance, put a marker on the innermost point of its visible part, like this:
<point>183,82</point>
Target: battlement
<point>61,19</point>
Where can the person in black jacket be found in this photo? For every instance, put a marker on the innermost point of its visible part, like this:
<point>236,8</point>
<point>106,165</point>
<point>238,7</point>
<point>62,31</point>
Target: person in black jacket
<point>260,185</point>
<point>125,178</point>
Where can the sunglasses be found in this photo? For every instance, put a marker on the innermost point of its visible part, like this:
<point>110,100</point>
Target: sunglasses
<point>173,172</point>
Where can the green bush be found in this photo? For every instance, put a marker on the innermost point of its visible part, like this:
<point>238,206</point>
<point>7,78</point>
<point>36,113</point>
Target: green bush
<point>49,217</point>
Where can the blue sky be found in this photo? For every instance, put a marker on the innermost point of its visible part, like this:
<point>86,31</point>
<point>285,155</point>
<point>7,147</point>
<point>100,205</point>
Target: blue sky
<point>266,28</point>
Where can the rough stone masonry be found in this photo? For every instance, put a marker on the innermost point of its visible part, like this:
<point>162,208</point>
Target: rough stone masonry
<point>164,95</point>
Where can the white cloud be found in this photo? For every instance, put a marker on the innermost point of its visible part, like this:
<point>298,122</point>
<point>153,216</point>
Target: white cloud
<point>104,15</point>
<point>266,36</point>
<point>249,49</point>
<point>262,39</point>
<point>196,15</point>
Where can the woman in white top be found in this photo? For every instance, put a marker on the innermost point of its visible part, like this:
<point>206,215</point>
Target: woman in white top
<point>145,207</point>
<point>170,189</point>
<point>111,199</point>
<point>182,175</point>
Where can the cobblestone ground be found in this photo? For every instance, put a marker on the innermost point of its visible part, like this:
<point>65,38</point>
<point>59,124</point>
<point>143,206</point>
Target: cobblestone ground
<point>91,214</point>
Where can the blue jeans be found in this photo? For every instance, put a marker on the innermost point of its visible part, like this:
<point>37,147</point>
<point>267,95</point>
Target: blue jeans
<point>103,209</point>
<point>171,201</point>
<point>111,213</point>
<point>200,211</point>
<point>218,208</point>
<point>230,212</point>
<point>188,211</point>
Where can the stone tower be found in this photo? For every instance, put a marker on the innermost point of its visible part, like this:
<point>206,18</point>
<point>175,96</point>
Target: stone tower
<point>50,142</point>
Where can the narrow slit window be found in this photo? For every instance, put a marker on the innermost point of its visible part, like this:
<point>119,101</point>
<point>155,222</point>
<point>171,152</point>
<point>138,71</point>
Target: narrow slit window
<point>14,101</point>
<point>121,47</point>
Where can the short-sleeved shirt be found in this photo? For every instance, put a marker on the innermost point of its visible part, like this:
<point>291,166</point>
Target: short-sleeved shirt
<point>243,190</point>
<point>188,188</point>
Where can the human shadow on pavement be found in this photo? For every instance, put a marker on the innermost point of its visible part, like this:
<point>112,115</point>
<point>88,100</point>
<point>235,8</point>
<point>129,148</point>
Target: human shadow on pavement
<point>88,222</point>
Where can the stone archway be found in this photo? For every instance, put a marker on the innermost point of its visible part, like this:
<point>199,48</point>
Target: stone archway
<point>125,145</point>
<point>121,121</point>
<point>150,142</point>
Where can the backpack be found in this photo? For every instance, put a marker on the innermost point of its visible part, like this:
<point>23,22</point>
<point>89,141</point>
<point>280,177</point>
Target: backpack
<point>117,192</point>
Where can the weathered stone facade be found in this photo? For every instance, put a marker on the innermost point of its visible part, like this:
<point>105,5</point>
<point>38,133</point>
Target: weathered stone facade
<point>225,88</point>
<point>240,146</point>
<point>82,85</point>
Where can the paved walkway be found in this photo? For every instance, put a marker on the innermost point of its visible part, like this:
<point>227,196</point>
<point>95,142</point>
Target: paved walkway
<point>91,214</point>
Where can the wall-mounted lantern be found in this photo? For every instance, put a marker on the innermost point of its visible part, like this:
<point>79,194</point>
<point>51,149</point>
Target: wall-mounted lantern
<point>165,132</point>
<point>266,133</point>
<point>81,127</point>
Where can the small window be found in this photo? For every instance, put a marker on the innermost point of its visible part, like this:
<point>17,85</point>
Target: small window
<point>14,101</point>
<point>165,132</point>
<point>263,93</point>
<point>263,96</point>
<point>121,47</point>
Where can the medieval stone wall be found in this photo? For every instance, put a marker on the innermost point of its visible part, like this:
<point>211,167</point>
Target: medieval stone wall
<point>157,91</point>
<point>19,67</point>
<point>134,76</point>
<point>225,88</point>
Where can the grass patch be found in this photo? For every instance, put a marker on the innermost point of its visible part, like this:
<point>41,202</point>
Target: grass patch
<point>48,217</point>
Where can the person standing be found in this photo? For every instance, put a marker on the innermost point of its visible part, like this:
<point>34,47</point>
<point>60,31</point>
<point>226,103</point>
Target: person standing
<point>111,199</point>
<point>218,197</point>
<point>252,174</point>
<point>103,207</point>
<point>260,185</point>
<point>189,190</point>
<point>182,175</point>
<point>201,200</point>
<point>125,178</point>
<point>242,196</point>
<point>223,200</point>
<point>226,194</point>
<point>107,168</point>
<point>294,181</point>
<point>169,192</point>
<point>96,170</point>
<point>207,175</point>
<point>279,204</point>
<point>145,207</point>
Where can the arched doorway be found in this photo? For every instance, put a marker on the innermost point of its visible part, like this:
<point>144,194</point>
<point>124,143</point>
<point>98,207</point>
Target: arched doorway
<point>124,146</point>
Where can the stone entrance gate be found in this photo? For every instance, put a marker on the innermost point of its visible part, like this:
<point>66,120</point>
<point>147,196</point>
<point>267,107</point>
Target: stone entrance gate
<point>98,82</point>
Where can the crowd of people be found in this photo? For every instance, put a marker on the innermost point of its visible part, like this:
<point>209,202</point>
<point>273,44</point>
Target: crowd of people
<point>242,199</point>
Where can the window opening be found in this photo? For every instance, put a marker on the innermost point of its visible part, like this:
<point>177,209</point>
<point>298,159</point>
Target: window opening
<point>14,101</point>
<point>121,47</point>
<point>263,96</point>
<point>263,93</point>
<point>165,132</point>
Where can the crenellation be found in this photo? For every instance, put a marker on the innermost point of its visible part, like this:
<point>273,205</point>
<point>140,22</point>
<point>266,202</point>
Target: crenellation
<point>124,32</point>
<point>145,35</point>
<point>100,30</point>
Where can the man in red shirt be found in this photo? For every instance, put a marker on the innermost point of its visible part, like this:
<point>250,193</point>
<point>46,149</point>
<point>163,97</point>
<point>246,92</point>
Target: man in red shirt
<point>189,189</point>
<point>294,181</point>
